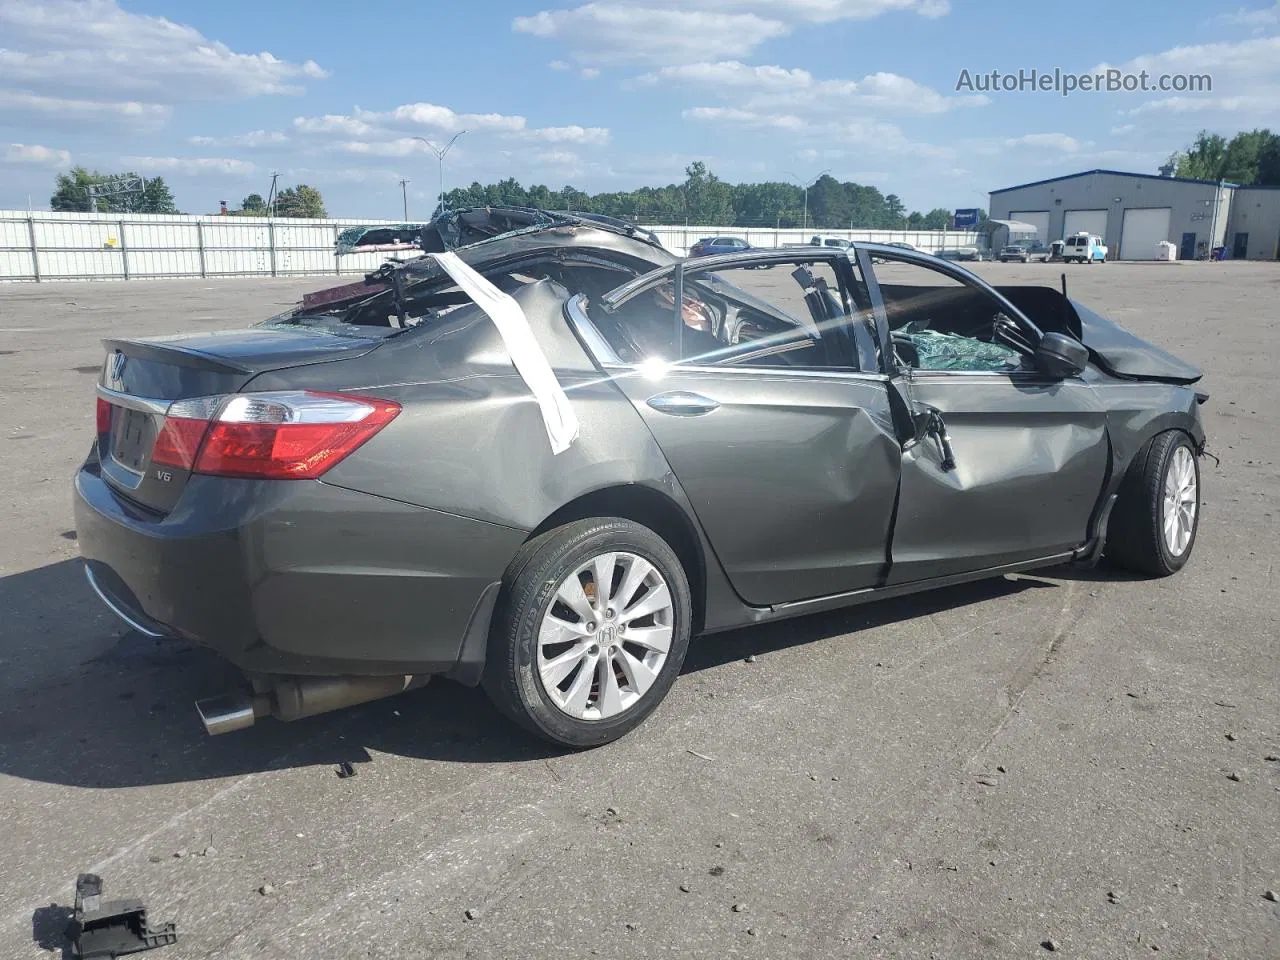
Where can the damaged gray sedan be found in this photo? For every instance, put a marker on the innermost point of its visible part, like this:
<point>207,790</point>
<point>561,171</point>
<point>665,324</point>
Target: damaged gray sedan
<point>544,452</point>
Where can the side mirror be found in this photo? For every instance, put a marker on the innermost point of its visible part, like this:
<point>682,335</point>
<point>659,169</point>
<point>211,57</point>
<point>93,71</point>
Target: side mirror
<point>1061,356</point>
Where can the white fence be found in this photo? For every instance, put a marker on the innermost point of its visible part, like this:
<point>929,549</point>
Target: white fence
<point>679,239</point>
<point>41,246</point>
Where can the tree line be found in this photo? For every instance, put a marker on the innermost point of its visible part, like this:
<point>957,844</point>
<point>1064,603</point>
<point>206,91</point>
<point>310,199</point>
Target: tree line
<point>1251,157</point>
<point>71,193</point>
<point>704,199</point>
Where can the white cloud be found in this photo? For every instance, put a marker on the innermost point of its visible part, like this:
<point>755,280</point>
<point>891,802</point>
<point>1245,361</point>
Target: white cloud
<point>94,48</point>
<point>769,88</point>
<point>385,132</point>
<point>1264,17</point>
<point>590,73</point>
<point>1123,129</point>
<point>596,136</point>
<point>64,111</point>
<point>254,138</point>
<point>1046,141</point>
<point>864,133</point>
<point>744,118</point>
<point>686,31</point>
<point>1245,75</point>
<point>557,158</point>
<point>424,116</point>
<point>559,65</point>
<point>617,33</point>
<point>191,166</point>
<point>402,147</point>
<point>332,123</point>
<point>36,155</point>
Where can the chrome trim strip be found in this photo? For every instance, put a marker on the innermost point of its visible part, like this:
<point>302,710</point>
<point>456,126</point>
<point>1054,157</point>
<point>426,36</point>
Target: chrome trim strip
<point>115,608</point>
<point>144,404</point>
<point>772,373</point>
<point>593,338</point>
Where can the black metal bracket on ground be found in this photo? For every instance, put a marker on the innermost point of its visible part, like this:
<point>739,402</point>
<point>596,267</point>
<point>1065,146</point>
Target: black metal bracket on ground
<point>111,928</point>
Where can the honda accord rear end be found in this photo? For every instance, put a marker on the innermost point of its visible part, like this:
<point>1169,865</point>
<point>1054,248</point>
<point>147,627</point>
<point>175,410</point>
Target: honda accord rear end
<point>204,513</point>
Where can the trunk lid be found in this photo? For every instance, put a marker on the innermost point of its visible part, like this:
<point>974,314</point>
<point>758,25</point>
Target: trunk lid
<point>141,381</point>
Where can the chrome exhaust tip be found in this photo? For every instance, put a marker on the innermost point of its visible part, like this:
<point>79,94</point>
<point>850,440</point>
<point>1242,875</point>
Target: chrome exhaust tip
<point>293,698</point>
<point>226,714</point>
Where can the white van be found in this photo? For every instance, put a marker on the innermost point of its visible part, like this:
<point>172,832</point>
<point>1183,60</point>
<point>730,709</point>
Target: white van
<point>1084,248</point>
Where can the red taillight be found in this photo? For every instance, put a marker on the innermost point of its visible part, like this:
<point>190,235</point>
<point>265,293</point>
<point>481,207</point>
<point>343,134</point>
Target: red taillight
<point>177,442</point>
<point>104,416</point>
<point>289,436</point>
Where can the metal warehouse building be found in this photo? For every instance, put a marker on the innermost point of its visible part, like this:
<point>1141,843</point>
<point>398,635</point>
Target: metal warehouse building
<point>1134,212</point>
<point>1254,224</point>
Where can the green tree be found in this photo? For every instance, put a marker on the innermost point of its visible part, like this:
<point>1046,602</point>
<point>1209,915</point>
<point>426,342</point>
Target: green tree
<point>253,205</point>
<point>1269,163</point>
<point>71,190</point>
<point>156,198</point>
<point>937,219</point>
<point>71,194</point>
<point>300,201</point>
<point>1204,159</point>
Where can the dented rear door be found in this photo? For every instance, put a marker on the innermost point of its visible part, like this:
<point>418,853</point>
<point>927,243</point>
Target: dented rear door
<point>1028,458</point>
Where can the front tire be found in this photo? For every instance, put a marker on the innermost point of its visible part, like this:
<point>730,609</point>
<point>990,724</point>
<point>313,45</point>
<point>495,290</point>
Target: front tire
<point>590,632</point>
<point>1157,514</point>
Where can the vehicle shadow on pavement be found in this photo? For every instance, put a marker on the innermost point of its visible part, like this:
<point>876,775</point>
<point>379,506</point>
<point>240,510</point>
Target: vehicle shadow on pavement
<point>86,702</point>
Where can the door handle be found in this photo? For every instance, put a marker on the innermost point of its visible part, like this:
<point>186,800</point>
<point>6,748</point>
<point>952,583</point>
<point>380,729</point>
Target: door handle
<point>683,404</point>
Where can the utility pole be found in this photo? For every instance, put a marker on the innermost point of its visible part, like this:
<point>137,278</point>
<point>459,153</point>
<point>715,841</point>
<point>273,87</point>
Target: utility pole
<point>271,195</point>
<point>405,194</point>
<point>440,155</point>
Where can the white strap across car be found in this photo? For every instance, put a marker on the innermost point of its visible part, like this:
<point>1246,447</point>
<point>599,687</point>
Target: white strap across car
<point>527,356</point>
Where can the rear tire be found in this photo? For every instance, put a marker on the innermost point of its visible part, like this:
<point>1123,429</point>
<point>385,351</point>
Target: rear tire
<point>572,662</point>
<point>1157,513</point>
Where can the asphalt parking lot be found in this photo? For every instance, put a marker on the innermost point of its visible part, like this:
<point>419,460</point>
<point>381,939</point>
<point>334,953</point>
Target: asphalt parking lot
<point>1078,757</point>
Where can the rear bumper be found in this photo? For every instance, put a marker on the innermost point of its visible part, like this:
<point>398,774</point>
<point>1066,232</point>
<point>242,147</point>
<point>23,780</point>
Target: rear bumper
<point>296,577</point>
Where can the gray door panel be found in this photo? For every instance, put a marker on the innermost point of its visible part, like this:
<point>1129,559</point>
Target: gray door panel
<point>793,475</point>
<point>1030,460</point>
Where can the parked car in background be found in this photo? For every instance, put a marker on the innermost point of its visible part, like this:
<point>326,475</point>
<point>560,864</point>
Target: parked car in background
<point>1055,250</point>
<point>840,243</point>
<point>1024,251</point>
<point>306,496</point>
<point>974,254</point>
<point>712,246</point>
<point>903,245</point>
<point>1084,248</point>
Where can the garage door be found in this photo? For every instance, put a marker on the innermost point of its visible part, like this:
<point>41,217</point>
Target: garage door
<point>1085,221</point>
<point>1037,218</point>
<point>1142,230</point>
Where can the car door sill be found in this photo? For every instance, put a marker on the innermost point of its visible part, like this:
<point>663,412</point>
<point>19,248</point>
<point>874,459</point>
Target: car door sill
<point>798,608</point>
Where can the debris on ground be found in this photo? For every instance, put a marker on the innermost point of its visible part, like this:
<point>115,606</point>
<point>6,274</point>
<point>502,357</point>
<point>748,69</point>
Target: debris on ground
<point>1270,895</point>
<point>111,928</point>
<point>345,770</point>
<point>739,907</point>
<point>266,890</point>
<point>1050,945</point>
<point>701,756</point>
<point>471,913</point>
<point>1233,775</point>
<point>751,659</point>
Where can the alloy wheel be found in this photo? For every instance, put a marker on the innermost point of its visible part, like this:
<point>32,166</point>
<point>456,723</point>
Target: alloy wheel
<point>1181,498</point>
<point>606,636</point>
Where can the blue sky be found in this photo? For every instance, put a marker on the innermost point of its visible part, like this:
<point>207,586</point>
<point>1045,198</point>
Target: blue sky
<point>606,95</point>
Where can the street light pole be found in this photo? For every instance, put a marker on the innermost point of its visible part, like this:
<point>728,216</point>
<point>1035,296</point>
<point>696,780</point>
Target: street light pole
<point>404,193</point>
<point>440,155</point>
<point>805,188</point>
